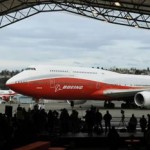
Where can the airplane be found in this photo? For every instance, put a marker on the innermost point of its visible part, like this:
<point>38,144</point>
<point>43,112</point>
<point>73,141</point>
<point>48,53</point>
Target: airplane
<point>80,83</point>
<point>6,95</point>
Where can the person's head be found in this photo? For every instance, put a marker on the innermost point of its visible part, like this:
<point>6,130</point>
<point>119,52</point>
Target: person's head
<point>122,111</point>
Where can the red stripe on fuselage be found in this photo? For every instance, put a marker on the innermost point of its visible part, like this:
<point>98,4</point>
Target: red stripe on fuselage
<point>66,88</point>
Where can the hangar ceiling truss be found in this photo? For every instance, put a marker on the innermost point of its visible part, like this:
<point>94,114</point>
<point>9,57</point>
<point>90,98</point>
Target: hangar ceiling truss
<point>123,12</point>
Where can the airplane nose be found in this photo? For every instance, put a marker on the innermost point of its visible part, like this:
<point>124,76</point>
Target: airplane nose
<point>9,82</point>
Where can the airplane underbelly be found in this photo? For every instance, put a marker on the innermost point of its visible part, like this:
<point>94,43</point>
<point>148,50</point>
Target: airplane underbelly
<point>66,88</point>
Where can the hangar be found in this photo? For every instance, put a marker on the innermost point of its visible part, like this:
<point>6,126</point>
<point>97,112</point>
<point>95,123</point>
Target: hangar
<point>133,13</point>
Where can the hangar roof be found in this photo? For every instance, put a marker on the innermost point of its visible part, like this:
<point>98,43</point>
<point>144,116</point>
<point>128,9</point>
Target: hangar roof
<point>135,12</point>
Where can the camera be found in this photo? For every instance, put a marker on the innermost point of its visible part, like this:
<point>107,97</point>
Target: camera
<point>123,116</point>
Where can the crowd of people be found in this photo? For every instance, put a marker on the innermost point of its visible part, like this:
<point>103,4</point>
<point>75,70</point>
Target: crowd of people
<point>26,125</point>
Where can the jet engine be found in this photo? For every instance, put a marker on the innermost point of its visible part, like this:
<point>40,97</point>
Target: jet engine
<point>76,102</point>
<point>142,99</point>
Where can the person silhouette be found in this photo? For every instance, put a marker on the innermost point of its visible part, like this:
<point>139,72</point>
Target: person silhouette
<point>113,138</point>
<point>107,119</point>
<point>132,124</point>
<point>143,123</point>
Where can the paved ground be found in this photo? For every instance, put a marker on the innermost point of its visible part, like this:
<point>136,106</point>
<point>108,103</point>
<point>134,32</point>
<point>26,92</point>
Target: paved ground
<point>58,105</point>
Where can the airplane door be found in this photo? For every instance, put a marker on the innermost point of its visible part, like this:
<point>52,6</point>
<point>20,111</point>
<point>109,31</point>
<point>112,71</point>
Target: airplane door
<point>97,85</point>
<point>52,83</point>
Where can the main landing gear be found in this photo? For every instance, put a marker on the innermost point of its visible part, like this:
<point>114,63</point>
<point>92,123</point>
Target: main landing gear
<point>109,104</point>
<point>129,105</point>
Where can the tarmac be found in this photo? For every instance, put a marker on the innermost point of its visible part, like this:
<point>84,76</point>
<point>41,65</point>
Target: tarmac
<point>59,105</point>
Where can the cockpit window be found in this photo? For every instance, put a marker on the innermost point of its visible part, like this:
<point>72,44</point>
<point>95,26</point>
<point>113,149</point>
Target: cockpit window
<point>30,68</point>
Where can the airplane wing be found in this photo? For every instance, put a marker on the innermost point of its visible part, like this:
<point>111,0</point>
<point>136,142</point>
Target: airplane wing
<point>123,93</point>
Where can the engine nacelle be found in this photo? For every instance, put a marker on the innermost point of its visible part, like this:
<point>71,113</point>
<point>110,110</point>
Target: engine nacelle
<point>76,102</point>
<point>142,99</point>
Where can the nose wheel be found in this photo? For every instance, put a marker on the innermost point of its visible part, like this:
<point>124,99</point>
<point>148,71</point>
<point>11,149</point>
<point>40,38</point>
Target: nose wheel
<point>39,104</point>
<point>72,104</point>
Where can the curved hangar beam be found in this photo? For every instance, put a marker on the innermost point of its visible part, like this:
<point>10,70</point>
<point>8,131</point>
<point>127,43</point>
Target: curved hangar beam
<point>124,12</point>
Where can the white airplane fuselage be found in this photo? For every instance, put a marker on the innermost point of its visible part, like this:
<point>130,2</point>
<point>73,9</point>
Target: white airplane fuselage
<point>79,83</point>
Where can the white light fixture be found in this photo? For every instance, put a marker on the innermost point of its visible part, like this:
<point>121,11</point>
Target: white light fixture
<point>117,4</point>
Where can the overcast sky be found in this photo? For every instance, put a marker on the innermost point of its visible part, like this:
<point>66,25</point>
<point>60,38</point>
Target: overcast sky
<point>62,38</point>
